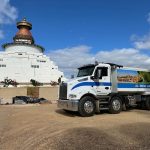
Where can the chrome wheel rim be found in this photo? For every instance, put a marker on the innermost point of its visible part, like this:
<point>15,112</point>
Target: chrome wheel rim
<point>88,107</point>
<point>116,105</point>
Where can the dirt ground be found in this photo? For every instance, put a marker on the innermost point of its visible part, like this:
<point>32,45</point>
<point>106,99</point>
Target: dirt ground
<point>43,127</point>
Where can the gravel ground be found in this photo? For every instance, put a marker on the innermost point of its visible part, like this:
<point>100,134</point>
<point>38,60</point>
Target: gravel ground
<point>43,127</point>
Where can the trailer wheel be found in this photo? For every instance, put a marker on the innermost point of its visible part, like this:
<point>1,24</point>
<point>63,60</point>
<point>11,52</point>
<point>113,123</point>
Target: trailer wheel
<point>147,104</point>
<point>87,106</point>
<point>115,106</point>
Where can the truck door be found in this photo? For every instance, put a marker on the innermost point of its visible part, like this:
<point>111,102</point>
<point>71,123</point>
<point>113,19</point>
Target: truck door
<point>102,81</point>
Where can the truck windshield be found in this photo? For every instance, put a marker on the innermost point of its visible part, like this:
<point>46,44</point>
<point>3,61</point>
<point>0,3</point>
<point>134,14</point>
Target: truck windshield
<point>85,71</point>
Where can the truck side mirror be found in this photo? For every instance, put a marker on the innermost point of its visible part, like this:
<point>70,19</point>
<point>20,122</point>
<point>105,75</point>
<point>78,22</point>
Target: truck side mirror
<point>92,77</point>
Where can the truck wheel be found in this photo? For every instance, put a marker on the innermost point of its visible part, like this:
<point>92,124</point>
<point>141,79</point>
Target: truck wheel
<point>87,106</point>
<point>115,106</point>
<point>147,104</point>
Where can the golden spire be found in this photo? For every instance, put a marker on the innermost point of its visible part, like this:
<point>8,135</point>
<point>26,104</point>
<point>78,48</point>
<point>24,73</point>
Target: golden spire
<point>24,35</point>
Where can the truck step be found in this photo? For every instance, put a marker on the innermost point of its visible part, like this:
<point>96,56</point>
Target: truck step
<point>103,102</point>
<point>104,108</point>
<point>133,105</point>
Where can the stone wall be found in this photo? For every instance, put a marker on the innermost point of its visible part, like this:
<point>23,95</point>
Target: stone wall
<point>49,93</point>
<point>6,94</point>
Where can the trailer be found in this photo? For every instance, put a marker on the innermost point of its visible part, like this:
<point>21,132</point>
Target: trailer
<point>105,86</point>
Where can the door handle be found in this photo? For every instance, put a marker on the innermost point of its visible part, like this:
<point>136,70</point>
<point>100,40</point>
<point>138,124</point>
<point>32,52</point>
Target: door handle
<point>106,88</point>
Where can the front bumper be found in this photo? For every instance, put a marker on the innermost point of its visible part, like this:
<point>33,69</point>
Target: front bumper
<point>68,104</point>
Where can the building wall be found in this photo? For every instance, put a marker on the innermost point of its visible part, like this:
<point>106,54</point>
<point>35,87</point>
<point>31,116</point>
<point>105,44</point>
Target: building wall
<point>23,66</point>
<point>23,48</point>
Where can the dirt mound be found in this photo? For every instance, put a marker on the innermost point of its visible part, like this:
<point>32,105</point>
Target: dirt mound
<point>139,133</point>
<point>79,139</point>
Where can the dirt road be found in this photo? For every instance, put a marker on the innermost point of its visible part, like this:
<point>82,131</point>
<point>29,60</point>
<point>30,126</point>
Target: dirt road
<point>45,127</point>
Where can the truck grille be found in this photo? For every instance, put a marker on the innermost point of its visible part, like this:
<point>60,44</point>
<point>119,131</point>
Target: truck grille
<point>63,91</point>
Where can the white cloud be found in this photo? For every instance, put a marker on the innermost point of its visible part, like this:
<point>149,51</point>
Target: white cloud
<point>148,18</point>
<point>127,57</point>
<point>141,43</point>
<point>1,34</point>
<point>68,59</point>
<point>8,14</point>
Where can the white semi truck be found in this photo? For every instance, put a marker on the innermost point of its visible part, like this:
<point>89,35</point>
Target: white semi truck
<point>105,86</point>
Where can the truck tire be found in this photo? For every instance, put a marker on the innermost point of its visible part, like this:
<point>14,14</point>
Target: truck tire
<point>115,105</point>
<point>87,106</point>
<point>147,103</point>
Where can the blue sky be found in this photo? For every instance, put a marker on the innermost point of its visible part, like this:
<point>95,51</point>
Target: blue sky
<point>75,32</point>
<point>122,72</point>
<point>102,24</point>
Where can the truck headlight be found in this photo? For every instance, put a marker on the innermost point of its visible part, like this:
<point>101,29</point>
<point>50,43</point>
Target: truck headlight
<point>72,95</point>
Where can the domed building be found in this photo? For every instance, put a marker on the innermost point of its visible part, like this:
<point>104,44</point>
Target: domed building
<point>23,60</point>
